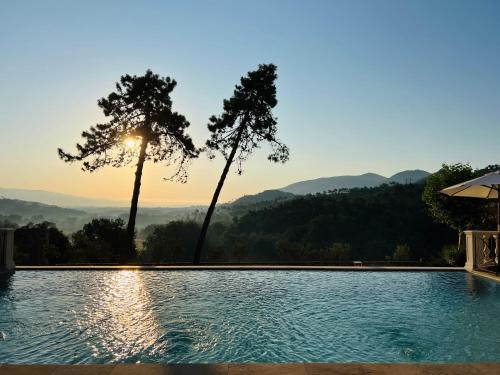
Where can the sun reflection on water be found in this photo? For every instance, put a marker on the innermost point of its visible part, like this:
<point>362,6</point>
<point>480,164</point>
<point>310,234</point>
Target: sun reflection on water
<point>120,323</point>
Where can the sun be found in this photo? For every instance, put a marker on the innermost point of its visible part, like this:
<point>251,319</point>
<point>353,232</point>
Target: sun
<point>130,143</point>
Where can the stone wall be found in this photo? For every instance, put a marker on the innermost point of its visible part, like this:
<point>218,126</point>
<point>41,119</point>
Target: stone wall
<point>7,250</point>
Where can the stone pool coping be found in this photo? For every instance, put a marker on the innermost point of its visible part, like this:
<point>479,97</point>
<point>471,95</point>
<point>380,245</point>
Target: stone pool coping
<point>486,275</point>
<point>256,267</point>
<point>256,369</point>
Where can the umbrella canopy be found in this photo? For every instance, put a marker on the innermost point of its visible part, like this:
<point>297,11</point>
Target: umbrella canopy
<point>487,187</point>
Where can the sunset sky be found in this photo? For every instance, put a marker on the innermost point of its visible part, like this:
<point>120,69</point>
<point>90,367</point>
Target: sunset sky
<point>364,86</point>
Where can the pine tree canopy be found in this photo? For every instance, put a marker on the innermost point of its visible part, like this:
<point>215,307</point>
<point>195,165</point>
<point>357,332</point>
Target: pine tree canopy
<point>140,112</point>
<point>248,119</point>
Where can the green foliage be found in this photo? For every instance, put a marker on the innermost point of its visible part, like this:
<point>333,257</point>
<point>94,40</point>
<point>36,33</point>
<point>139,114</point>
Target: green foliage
<point>402,253</point>
<point>372,220</point>
<point>454,255</point>
<point>235,244</point>
<point>6,223</point>
<point>360,224</point>
<point>266,197</point>
<point>146,232</point>
<point>40,244</point>
<point>102,241</point>
<point>288,250</point>
<point>171,243</point>
<point>457,212</point>
<point>338,252</point>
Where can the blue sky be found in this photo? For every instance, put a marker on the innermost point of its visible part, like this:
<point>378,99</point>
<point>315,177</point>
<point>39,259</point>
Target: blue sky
<point>377,86</point>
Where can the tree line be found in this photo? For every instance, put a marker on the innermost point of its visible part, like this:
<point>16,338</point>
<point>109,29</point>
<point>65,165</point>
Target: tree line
<point>410,223</point>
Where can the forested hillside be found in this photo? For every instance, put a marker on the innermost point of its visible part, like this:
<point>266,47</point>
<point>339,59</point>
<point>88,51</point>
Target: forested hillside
<point>362,224</point>
<point>265,196</point>
<point>389,222</point>
<point>25,208</point>
<point>372,220</point>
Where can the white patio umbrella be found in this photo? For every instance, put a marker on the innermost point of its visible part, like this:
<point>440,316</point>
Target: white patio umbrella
<point>486,187</point>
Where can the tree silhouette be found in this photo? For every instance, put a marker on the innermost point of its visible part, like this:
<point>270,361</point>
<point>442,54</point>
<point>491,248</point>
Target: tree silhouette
<point>142,127</point>
<point>247,120</point>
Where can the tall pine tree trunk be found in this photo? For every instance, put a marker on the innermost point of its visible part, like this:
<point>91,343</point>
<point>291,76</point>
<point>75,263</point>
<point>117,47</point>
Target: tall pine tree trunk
<point>211,208</point>
<point>135,198</point>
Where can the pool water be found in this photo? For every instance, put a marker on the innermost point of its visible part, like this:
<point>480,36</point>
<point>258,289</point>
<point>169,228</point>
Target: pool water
<point>71,317</point>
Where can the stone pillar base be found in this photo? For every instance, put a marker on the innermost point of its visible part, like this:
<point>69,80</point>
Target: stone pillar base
<point>7,250</point>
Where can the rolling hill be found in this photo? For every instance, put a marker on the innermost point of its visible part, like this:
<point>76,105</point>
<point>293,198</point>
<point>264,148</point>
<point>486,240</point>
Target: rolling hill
<point>265,196</point>
<point>320,185</point>
<point>407,177</point>
<point>28,209</point>
<point>104,207</point>
<point>59,199</point>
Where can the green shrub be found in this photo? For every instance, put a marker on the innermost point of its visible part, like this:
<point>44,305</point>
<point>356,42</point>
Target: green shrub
<point>40,244</point>
<point>340,251</point>
<point>453,255</point>
<point>402,253</point>
<point>102,241</point>
<point>171,243</point>
<point>290,251</point>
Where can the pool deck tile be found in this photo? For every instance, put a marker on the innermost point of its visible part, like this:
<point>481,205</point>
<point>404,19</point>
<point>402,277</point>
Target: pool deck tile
<point>256,369</point>
<point>83,370</point>
<point>142,369</point>
<point>208,369</point>
<point>396,369</point>
<point>27,370</point>
<point>463,369</point>
<point>267,369</point>
<point>333,369</point>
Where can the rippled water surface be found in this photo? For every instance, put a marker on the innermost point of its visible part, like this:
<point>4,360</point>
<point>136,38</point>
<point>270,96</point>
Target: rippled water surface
<point>248,316</point>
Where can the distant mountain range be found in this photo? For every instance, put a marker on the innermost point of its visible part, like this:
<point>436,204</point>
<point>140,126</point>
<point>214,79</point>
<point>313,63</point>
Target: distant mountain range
<point>70,212</point>
<point>407,177</point>
<point>298,188</point>
<point>59,199</point>
<point>320,185</point>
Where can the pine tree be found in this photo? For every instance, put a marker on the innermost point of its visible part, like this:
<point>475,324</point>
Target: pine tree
<point>142,127</point>
<point>247,121</point>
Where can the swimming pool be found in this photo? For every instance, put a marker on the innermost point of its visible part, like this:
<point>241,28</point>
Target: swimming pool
<point>71,317</point>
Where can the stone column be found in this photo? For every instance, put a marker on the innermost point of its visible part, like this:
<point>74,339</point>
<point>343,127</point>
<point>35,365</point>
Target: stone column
<point>7,250</point>
<point>469,250</point>
<point>497,247</point>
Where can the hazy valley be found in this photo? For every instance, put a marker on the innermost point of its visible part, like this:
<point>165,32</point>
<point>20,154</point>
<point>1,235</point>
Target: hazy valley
<point>71,212</point>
